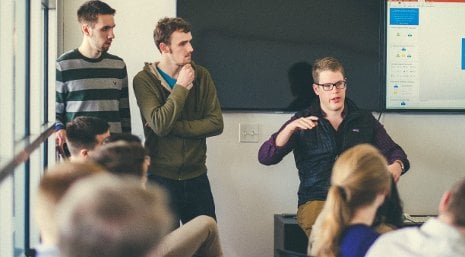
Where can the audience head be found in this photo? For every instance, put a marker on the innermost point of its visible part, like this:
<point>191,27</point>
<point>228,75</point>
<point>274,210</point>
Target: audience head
<point>166,27</point>
<point>84,133</point>
<point>110,216</point>
<point>122,158</point>
<point>53,185</point>
<point>89,11</point>
<point>360,178</point>
<point>326,64</point>
<point>123,154</point>
<point>452,206</point>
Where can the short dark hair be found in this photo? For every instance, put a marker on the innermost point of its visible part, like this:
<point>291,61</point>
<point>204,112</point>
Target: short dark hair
<point>166,26</point>
<point>82,132</point>
<point>121,158</point>
<point>89,11</point>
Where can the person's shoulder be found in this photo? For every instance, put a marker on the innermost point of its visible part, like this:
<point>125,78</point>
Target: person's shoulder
<point>391,241</point>
<point>68,55</point>
<point>355,111</point>
<point>303,113</point>
<point>144,74</point>
<point>144,71</point>
<point>353,107</point>
<point>313,110</point>
<point>361,230</point>
<point>395,235</point>
<point>107,55</point>
<point>357,239</point>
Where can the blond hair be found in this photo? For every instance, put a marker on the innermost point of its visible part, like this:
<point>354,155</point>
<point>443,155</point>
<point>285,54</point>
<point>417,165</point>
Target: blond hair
<point>358,176</point>
<point>326,64</point>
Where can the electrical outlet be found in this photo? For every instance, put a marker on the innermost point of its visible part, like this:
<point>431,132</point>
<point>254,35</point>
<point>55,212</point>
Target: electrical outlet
<point>248,133</point>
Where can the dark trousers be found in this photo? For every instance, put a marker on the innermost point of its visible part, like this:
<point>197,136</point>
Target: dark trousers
<point>188,198</point>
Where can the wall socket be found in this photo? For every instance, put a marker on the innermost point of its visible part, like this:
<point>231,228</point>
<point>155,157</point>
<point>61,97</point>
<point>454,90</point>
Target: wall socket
<point>248,133</point>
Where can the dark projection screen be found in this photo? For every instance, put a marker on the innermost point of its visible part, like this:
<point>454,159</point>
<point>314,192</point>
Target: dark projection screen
<point>249,47</point>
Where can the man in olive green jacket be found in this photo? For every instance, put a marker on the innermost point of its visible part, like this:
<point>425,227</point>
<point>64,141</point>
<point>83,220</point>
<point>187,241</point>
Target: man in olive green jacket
<point>179,109</point>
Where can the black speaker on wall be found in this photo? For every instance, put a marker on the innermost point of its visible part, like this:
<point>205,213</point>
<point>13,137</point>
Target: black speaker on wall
<point>288,236</point>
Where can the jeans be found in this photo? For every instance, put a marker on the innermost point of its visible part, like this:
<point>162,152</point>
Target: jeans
<point>188,198</point>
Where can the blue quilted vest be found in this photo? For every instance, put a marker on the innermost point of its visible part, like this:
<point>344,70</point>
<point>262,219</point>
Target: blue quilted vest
<point>316,150</point>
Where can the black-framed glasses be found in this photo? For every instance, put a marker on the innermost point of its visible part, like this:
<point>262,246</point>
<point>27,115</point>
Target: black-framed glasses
<point>341,84</point>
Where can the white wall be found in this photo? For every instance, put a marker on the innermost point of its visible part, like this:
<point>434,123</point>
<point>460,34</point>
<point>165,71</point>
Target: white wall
<point>246,193</point>
<point>436,150</point>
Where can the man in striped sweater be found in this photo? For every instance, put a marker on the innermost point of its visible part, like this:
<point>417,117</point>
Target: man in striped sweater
<point>89,80</point>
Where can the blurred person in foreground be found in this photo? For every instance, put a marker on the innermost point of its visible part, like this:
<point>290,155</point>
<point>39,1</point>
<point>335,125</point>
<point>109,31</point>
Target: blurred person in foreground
<point>52,186</point>
<point>360,182</point>
<point>111,216</point>
<point>443,236</point>
<point>124,155</point>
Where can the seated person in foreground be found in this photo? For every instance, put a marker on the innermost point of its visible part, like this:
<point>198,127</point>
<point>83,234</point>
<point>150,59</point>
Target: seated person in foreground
<point>443,236</point>
<point>53,185</point>
<point>388,216</point>
<point>110,216</point>
<point>84,134</point>
<point>360,182</point>
<point>198,236</point>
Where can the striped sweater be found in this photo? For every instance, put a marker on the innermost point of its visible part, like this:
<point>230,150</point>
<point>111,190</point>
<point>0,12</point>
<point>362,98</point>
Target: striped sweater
<point>92,87</point>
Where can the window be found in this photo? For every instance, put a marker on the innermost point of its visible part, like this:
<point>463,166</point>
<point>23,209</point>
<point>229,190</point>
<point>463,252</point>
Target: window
<point>25,101</point>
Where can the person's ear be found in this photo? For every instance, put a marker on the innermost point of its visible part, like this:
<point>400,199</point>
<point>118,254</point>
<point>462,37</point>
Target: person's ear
<point>380,198</point>
<point>315,89</point>
<point>164,48</point>
<point>85,28</point>
<point>84,153</point>
<point>444,201</point>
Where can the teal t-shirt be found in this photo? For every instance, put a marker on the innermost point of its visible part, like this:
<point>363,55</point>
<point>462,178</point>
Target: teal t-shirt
<point>171,81</point>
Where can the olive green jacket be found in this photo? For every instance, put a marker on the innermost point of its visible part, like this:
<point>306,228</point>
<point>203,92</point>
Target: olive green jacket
<point>177,122</point>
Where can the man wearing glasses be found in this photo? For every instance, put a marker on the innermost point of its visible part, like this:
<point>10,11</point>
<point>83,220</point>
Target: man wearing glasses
<point>320,133</point>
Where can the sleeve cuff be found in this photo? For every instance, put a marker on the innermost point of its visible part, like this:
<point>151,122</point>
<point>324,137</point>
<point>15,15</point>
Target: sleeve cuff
<point>59,126</point>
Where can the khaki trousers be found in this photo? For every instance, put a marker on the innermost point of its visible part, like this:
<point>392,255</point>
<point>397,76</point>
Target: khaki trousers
<point>198,237</point>
<point>307,214</point>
